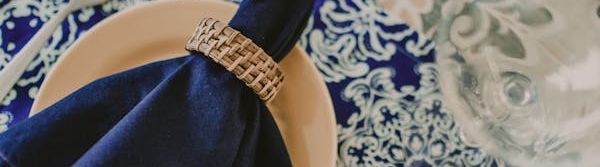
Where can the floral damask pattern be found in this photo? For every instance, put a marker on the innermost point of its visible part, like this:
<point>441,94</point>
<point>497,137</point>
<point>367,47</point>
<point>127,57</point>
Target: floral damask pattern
<point>383,82</point>
<point>358,37</point>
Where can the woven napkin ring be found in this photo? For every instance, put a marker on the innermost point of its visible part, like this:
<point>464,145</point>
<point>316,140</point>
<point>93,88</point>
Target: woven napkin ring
<point>238,55</point>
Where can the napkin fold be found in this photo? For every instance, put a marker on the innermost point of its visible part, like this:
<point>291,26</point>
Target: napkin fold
<point>187,111</point>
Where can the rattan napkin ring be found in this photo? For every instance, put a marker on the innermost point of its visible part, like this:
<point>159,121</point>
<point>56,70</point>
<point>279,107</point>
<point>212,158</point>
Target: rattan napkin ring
<point>238,55</point>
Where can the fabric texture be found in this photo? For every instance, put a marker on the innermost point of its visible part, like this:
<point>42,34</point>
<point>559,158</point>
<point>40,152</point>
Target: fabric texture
<point>186,111</point>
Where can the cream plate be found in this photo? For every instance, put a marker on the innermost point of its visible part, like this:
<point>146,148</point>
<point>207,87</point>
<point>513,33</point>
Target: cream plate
<point>157,31</point>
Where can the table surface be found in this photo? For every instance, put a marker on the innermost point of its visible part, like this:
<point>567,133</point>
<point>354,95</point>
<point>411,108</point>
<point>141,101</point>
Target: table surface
<point>380,73</point>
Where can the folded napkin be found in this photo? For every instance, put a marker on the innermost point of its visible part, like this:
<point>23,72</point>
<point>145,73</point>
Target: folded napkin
<point>187,111</point>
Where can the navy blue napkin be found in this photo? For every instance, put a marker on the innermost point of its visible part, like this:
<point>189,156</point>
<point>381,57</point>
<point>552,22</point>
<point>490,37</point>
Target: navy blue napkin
<point>187,111</point>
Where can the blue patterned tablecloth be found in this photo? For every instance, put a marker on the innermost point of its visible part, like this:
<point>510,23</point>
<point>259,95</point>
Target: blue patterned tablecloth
<point>380,73</point>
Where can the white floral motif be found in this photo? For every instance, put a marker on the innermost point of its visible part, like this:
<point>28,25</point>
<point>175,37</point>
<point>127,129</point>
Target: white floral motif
<point>390,130</point>
<point>10,96</point>
<point>5,119</point>
<point>355,34</point>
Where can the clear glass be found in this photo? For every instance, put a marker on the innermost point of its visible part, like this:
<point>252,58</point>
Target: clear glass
<point>522,77</point>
